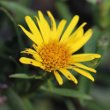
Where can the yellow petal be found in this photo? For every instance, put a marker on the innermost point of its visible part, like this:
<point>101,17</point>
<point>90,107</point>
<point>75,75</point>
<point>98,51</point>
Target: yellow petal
<point>58,77</point>
<point>85,67</point>
<point>76,37</point>
<point>68,75</point>
<point>84,73</point>
<point>53,23</point>
<point>33,53</point>
<point>77,45</point>
<point>60,29</point>
<point>30,61</point>
<point>34,29</point>
<point>78,29</point>
<point>53,26</point>
<point>30,35</point>
<point>70,28</point>
<point>35,47</point>
<point>43,26</point>
<point>84,57</point>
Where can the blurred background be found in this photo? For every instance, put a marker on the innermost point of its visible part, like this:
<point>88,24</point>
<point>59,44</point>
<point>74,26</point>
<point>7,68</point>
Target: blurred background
<point>25,93</point>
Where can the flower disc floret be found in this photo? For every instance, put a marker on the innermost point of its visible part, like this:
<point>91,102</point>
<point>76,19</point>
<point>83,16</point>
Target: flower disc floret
<point>54,56</point>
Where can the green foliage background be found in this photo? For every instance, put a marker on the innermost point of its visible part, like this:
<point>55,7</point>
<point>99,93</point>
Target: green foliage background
<point>23,87</point>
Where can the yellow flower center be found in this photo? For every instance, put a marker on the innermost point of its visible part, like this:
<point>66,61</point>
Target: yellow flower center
<point>54,56</point>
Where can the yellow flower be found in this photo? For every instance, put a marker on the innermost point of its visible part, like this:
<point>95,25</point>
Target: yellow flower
<point>54,48</point>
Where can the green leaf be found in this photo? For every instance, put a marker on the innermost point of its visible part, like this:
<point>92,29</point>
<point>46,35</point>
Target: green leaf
<point>12,19</point>
<point>19,11</point>
<point>102,96</point>
<point>28,103</point>
<point>16,102</point>
<point>70,105</point>
<point>67,93</point>
<point>63,10</point>
<point>92,1</point>
<point>92,44</point>
<point>24,76</point>
<point>95,105</point>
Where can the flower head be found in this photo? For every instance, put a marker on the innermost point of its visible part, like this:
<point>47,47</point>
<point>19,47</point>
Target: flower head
<point>54,48</point>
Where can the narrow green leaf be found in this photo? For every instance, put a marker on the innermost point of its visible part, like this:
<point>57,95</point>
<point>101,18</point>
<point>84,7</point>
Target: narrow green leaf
<point>70,104</point>
<point>24,76</point>
<point>95,105</point>
<point>67,93</point>
<point>17,9</point>
<point>28,103</point>
<point>102,96</point>
<point>63,10</point>
<point>92,1</point>
<point>12,19</point>
<point>92,44</point>
<point>14,100</point>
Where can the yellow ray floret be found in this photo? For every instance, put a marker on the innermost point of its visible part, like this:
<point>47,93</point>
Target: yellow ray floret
<point>54,47</point>
<point>58,78</point>
<point>70,28</point>
<point>68,75</point>
<point>60,29</point>
<point>84,73</point>
<point>31,61</point>
<point>84,57</point>
<point>85,67</point>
